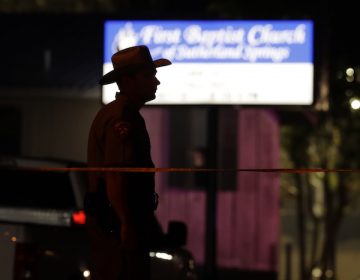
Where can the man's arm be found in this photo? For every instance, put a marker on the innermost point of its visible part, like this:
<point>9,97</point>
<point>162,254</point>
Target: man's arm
<point>117,189</point>
<point>117,192</point>
<point>119,151</point>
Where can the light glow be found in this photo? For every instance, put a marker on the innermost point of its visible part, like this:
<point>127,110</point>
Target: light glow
<point>316,272</point>
<point>86,273</point>
<point>161,255</point>
<point>355,103</point>
<point>350,72</point>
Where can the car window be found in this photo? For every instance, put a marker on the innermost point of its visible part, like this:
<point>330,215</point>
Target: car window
<point>34,189</point>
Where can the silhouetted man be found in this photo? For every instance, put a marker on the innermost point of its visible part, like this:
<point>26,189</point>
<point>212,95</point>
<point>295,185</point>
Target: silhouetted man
<point>120,206</point>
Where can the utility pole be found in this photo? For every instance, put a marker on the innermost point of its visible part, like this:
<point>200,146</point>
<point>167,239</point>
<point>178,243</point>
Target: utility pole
<point>211,195</point>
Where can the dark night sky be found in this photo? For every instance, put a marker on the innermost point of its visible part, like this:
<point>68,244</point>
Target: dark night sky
<point>76,37</point>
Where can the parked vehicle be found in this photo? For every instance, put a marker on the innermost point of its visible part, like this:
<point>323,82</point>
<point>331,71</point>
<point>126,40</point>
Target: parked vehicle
<point>42,226</point>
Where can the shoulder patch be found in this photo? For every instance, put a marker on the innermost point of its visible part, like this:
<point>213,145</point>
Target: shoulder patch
<point>122,128</point>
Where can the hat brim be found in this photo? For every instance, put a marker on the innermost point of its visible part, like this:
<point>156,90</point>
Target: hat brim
<point>113,75</point>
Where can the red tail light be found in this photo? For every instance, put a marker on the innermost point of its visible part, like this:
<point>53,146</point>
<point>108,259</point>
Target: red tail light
<point>79,217</point>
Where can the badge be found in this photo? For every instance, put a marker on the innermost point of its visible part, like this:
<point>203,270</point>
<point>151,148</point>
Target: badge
<point>122,128</point>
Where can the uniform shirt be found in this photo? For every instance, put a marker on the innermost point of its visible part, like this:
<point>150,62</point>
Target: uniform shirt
<point>118,138</point>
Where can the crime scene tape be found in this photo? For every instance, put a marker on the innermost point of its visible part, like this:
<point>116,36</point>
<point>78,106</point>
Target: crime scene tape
<point>168,170</point>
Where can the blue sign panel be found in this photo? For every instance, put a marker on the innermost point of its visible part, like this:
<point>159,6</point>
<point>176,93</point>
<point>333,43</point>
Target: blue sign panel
<point>259,62</point>
<point>277,41</point>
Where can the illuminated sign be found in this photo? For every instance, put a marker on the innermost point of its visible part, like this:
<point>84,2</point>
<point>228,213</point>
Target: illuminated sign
<point>222,62</point>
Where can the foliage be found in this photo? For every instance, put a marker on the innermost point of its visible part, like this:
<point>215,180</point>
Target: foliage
<point>331,142</point>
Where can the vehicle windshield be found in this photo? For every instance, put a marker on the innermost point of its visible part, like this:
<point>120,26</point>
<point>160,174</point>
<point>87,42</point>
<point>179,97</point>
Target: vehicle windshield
<point>32,189</point>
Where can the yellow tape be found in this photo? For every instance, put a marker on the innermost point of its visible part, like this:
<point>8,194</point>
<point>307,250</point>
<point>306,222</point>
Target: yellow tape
<point>159,170</point>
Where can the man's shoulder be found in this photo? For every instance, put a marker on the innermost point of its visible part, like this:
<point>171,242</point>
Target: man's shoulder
<point>115,114</point>
<point>110,111</point>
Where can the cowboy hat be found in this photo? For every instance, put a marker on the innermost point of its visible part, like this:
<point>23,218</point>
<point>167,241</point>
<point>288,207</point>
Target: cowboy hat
<point>131,59</point>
